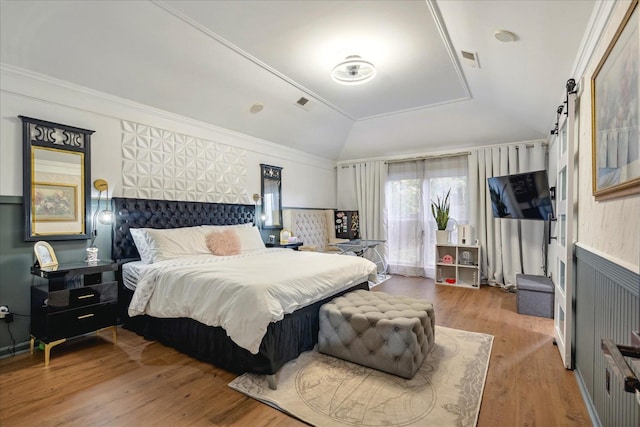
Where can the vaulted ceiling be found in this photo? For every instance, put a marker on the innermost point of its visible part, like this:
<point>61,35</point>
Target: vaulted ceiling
<point>213,60</point>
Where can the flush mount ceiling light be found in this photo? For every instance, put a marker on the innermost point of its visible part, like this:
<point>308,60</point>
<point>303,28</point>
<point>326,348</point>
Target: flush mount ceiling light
<point>505,36</point>
<point>353,70</point>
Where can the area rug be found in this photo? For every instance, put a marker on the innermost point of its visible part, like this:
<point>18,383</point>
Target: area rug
<point>325,391</point>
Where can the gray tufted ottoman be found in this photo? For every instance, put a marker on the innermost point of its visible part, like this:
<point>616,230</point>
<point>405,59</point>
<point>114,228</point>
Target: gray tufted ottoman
<point>385,332</point>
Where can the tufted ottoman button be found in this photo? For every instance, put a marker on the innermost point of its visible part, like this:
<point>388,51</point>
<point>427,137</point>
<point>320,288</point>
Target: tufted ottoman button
<point>372,352</point>
<point>396,329</point>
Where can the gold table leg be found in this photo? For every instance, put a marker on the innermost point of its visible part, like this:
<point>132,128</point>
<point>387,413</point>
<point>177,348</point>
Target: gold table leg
<point>115,332</point>
<point>33,340</point>
<point>47,350</point>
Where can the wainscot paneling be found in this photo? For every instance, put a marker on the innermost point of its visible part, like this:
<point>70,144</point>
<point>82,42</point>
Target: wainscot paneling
<point>607,306</point>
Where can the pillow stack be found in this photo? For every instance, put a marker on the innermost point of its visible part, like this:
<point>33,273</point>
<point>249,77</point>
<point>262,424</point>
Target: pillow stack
<point>156,245</point>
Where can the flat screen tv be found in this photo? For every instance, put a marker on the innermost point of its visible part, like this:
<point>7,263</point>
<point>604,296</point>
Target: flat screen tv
<point>521,196</point>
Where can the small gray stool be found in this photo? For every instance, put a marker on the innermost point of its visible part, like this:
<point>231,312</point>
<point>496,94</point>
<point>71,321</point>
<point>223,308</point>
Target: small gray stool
<point>390,333</point>
<point>535,295</point>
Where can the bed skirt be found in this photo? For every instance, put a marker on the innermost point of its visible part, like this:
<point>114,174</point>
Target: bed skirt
<point>297,332</point>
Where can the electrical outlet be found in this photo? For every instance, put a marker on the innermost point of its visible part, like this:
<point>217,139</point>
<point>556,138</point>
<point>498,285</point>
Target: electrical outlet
<point>4,310</point>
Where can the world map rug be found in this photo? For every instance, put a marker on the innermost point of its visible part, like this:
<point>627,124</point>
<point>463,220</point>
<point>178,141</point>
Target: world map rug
<point>325,391</point>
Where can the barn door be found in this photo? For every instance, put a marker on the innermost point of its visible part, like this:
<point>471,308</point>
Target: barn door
<point>565,229</point>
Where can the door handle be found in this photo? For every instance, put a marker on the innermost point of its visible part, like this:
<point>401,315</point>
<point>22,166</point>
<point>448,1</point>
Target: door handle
<point>617,353</point>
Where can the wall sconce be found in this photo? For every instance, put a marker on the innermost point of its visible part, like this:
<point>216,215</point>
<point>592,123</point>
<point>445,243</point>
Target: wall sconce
<point>105,216</point>
<point>258,201</point>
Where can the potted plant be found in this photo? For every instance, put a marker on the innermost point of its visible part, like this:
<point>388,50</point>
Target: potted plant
<point>440,212</point>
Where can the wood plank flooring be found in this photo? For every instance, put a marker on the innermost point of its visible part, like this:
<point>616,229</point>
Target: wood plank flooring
<point>91,382</point>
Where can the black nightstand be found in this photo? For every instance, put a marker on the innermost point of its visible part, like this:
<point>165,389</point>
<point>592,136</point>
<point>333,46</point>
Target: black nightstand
<point>73,301</point>
<point>294,246</point>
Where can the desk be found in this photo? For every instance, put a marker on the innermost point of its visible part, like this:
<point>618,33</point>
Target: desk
<point>360,247</point>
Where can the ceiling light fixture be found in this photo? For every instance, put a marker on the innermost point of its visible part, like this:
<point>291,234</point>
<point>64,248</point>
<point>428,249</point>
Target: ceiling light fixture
<point>353,70</point>
<point>505,36</point>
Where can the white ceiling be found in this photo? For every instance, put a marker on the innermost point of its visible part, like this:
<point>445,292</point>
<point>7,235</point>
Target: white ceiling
<point>212,60</point>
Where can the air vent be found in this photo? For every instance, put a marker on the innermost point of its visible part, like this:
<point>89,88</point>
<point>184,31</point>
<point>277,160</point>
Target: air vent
<point>305,103</point>
<point>470,58</point>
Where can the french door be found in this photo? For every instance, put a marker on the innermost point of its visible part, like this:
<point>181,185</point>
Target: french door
<point>566,192</point>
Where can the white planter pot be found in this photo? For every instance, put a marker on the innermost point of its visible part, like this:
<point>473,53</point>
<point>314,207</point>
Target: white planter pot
<point>442,237</point>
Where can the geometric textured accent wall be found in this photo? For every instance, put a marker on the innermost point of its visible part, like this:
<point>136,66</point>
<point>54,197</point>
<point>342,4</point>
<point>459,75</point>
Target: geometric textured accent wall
<point>159,164</point>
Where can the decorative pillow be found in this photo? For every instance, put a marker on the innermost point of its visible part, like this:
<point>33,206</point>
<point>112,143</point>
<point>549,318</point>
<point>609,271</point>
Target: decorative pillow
<point>140,239</point>
<point>223,243</point>
<point>250,238</point>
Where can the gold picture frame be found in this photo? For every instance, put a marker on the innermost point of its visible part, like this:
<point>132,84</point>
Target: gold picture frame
<point>614,112</point>
<point>44,254</point>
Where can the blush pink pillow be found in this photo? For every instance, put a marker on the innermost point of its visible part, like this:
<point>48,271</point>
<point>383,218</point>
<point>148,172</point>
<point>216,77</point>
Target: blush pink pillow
<point>223,243</point>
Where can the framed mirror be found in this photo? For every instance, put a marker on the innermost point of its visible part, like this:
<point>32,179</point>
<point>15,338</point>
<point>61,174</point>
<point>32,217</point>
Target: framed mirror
<point>56,174</point>
<point>271,187</point>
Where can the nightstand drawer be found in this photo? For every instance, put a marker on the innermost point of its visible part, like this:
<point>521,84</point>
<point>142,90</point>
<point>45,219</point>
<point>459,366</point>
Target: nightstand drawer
<point>81,320</point>
<point>82,296</point>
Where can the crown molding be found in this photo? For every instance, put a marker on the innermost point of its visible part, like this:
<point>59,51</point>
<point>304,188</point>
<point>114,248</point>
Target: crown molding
<point>595,28</point>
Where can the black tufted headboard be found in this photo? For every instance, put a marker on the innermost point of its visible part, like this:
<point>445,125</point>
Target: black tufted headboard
<point>137,213</point>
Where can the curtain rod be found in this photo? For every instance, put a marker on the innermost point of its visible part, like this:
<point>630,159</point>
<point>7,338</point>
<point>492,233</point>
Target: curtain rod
<point>441,156</point>
<point>461,153</point>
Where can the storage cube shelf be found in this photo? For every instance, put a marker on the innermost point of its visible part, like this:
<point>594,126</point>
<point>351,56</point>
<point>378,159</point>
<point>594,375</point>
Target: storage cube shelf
<point>464,268</point>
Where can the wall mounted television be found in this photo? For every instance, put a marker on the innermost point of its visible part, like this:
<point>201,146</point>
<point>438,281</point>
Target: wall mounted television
<point>521,196</point>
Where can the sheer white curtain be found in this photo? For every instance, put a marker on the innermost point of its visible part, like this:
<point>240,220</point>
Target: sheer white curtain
<point>405,218</point>
<point>411,228</point>
<point>442,175</point>
<point>509,246</point>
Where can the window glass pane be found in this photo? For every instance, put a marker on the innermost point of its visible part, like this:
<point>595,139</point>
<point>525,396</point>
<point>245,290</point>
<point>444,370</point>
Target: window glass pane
<point>563,184</point>
<point>561,275</point>
<point>560,322</point>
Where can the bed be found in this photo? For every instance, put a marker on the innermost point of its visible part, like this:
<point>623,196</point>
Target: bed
<point>283,340</point>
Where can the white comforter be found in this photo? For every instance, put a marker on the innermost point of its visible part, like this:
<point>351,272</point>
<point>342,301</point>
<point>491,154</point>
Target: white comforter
<point>246,292</point>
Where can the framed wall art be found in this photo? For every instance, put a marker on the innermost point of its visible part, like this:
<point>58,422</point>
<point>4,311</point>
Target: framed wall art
<point>55,202</point>
<point>615,113</point>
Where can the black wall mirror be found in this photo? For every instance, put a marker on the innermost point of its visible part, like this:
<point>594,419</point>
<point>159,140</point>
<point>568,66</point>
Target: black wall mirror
<point>271,187</point>
<point>56,174</point>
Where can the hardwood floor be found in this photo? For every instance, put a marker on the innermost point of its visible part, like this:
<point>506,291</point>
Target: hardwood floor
<point>136,382</point>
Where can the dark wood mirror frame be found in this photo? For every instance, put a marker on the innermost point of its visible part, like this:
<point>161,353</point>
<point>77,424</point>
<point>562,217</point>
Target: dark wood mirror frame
<point>271,193</point>
<point>56,180</point>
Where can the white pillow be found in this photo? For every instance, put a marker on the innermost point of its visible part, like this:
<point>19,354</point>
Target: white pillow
<point>175,242</point>
<point>250,238</point>
<point>140,239</point>
<point>218,228</point>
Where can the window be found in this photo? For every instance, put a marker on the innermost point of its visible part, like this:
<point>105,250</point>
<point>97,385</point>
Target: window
<point>410,225</point>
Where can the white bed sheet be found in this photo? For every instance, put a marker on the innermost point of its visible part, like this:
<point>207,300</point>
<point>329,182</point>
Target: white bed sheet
<point>244,293</point>
<point>132,271</point>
